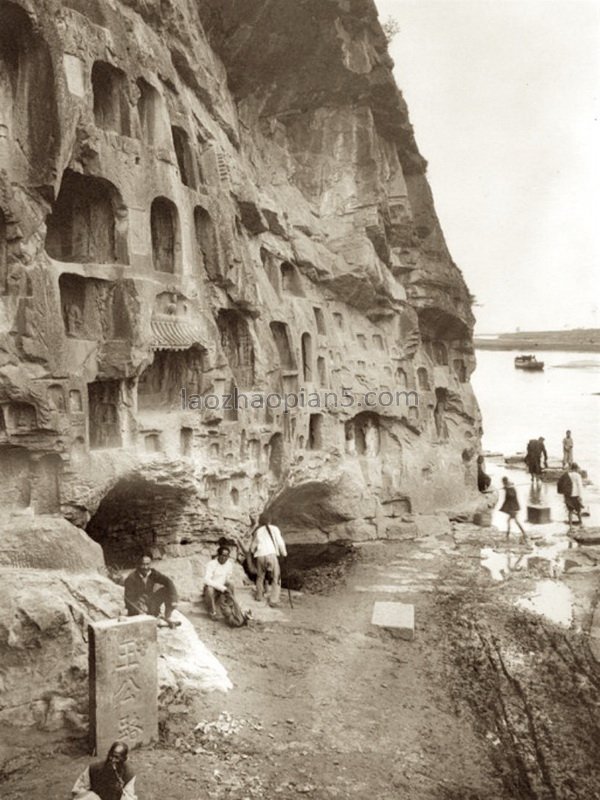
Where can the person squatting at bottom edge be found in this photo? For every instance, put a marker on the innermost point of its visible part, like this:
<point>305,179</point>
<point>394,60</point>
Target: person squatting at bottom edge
<point>112,779</point>
<point>267,547</point>
<point>147,590</point>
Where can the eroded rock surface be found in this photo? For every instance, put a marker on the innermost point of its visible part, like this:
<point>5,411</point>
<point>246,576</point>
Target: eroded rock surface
<point>209,196</point>
<point>44,618</point>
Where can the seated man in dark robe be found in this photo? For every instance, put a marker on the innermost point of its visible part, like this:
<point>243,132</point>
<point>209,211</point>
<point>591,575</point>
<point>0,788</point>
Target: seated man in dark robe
<point>112,779</point>
<point>147,590</point>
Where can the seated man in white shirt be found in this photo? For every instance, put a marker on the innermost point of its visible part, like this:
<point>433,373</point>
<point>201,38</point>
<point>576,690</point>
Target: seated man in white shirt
<point>218,579</point>
<point>267,545</point>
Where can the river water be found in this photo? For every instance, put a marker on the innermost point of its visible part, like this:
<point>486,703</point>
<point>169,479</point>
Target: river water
<point>517,405</point>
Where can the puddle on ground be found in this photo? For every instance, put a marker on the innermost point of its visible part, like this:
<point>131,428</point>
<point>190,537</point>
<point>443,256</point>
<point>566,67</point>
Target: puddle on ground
<point>499,565</point>
<point>545,560</point>
<point>550,599</point>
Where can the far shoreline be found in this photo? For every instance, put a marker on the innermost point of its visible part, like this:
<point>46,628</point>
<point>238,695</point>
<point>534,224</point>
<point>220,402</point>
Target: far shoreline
<point>583,340</point>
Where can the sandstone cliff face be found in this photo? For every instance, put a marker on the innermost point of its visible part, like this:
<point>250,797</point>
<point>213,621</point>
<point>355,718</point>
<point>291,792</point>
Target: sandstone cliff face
<point>213,195</point>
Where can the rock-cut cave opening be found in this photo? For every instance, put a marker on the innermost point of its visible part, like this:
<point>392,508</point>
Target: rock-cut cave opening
<point>137,516</point>
<point>304,513</point>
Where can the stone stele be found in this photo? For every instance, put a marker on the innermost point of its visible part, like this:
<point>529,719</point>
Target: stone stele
<point>123,682</point>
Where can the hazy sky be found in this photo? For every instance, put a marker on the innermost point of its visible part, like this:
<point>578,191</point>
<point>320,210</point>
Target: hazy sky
<point>504,99</point>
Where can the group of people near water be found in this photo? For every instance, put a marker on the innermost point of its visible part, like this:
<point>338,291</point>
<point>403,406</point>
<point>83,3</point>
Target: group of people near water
<point>570,483</point>
<point>148,591</point>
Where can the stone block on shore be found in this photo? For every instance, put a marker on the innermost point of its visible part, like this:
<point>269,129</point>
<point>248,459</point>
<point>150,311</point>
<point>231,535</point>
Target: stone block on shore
<point>538,515</point>
<point>517,459</point>
<point>483,518</point>
<point>552,474</point>
<point>587,536</point>
<point>397,618</point>
<point>432,525</point>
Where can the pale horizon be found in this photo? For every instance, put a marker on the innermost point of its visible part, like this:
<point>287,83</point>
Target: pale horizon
<point>504,100</point>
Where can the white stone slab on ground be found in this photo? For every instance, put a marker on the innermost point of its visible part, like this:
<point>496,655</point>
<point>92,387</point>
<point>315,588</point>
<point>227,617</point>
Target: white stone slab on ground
<point>397,618</point>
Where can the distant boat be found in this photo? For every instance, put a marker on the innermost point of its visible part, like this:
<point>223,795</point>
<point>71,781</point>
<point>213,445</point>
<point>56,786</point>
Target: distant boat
<point>529,362</point>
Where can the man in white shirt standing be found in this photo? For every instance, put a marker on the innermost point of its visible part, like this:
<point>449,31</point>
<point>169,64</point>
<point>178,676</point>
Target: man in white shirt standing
<point>218,579</point>
<point>574,501</point>
<point>568,451</point>
<point>267,547</point>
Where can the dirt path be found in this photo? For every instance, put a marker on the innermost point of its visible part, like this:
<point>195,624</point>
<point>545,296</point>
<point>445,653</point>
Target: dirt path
<point>327,706</point>
<point>345,709</point>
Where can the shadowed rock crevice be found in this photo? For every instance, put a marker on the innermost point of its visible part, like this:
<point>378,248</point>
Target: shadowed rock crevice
<point>137,517</point>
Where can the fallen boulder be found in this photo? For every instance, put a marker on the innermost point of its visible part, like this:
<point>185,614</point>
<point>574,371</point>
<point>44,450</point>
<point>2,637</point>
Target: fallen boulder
<point>44,542</point>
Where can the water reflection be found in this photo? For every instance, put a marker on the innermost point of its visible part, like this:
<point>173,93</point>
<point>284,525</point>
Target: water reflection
<point>535,495</point>
<point>500,564</point>
<point>551,599</point>
<point>547,560</point>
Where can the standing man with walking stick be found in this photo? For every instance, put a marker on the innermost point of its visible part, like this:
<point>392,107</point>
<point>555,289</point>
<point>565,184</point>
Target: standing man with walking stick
<point>267,547</point>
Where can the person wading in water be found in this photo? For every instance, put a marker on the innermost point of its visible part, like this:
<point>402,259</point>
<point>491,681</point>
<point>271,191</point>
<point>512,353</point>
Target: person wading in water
<point>511,507</point>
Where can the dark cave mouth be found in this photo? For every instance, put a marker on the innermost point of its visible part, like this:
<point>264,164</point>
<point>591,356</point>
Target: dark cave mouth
<point>140,516</point>
<point>137,516</point>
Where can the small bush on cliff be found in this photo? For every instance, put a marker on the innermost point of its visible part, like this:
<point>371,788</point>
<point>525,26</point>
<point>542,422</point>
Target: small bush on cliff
<point>391,27</point>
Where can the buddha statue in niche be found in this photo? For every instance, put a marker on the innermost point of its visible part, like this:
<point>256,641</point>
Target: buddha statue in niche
<point>371,434</point>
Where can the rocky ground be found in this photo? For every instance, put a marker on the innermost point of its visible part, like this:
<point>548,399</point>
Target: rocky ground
<point>490,700</point>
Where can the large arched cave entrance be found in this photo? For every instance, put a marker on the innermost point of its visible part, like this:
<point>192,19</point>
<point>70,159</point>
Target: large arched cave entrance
<point>138,516</point>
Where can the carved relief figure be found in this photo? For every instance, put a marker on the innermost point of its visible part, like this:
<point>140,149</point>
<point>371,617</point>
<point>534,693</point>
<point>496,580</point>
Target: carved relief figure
<point>56,397</point>
<point>74,320</point>
<point>350,439</point>
<point>6,100</point>
<point>24,415</point>
<point>16,280</point>
<point>104,416</point>
<point>439,414</point>
<point>371,434</point>
<point>194,372</point>
<point>237,344</point>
